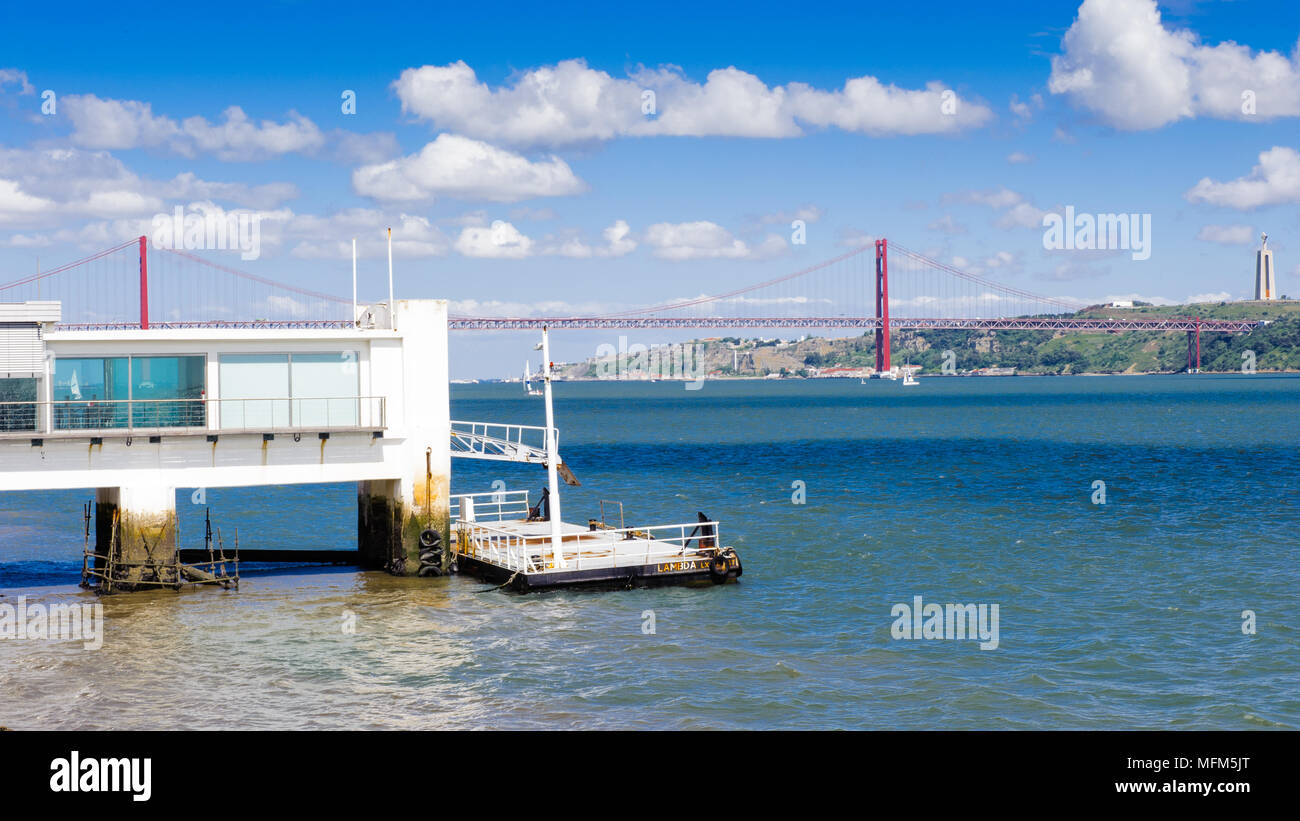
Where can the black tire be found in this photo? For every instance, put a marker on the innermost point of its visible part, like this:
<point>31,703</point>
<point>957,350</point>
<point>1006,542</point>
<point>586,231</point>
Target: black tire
<point>429,570</point>
<point>719,570</point>
<point>431,557</point>
<point>430,538</point>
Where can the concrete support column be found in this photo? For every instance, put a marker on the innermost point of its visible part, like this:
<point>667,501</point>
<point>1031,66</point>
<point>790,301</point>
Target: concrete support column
<point>379,525</point>
<point>144,552</point>
<point>393,513</point>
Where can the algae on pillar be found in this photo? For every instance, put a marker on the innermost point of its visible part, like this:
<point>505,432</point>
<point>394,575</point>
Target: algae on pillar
<point>393,513</point>
<point>142,552</point>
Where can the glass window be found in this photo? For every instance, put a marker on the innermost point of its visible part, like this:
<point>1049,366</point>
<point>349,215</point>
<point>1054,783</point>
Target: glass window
<point>157,379</point>
<point>254,391</point>
<point>91,393</point>
<point>324,389</point>
<point>17,408</point>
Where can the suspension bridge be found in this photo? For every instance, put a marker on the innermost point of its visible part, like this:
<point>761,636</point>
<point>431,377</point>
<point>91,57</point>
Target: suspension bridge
<point>880,287</point>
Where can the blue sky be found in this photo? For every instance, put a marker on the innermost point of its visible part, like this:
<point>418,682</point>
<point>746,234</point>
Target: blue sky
<point>473,116</point>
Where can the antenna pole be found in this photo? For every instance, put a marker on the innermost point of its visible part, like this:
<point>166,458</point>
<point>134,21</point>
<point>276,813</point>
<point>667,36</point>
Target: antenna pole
<point>392,315</point>
<point>354,282</point>
<point>552,456</point>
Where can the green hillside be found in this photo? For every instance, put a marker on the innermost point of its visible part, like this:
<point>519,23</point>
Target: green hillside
<point>1276,347</point>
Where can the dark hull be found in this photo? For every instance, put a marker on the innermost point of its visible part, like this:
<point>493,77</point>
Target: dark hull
<point>604,578</point>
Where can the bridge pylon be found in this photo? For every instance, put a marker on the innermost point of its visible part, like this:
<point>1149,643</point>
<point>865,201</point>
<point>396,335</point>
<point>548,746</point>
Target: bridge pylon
<point>882,305</point>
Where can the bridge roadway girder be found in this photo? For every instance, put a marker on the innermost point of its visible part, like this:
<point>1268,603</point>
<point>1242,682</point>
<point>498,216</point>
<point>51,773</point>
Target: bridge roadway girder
<point>866,323</point>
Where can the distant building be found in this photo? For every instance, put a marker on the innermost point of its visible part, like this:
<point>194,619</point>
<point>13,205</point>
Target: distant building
<point>1265,285</point>
<point>1121,303</point>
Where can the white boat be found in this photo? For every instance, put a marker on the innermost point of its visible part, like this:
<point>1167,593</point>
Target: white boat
<point>528,380</point>
<point>908,377</point>
<point>504,539</point>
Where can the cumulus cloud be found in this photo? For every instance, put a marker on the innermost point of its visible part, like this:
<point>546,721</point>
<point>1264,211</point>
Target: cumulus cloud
<point>947,225</point>
<point>570,102</point>
<point>618,242</point>
<point>126,124</point>
<point>1226,234</point>
<point>14,77</point>
<point>1215,296</point>
<point>500,240</point>
<point>1015,209</point>
<point>45,186</point>
<point>330,237</point>
<point>463,168</point>
<point>1119,61</point>
<point>18,206</point>
<point>1275,180</point>
<point>706,240</point>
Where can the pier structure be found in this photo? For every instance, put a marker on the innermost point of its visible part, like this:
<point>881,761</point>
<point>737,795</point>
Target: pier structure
<point>135,413</point>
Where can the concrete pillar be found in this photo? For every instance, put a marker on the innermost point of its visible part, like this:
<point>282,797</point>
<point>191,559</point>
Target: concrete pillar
<point>144,551</point>
<point>391,514</point>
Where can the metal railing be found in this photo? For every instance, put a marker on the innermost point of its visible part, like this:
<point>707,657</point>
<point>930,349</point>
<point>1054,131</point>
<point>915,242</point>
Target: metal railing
<point>137,415</point>
<point>531,552</point>
<point>493,440</point>
<point>493,506</point>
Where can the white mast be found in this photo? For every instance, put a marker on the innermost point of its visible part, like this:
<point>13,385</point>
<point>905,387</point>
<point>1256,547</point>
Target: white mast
<point>552,456</point>
<point>354,282</point>
<point>391,308</point>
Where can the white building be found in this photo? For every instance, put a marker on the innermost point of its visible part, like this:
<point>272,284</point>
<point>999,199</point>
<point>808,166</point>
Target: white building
<point>136,414</point>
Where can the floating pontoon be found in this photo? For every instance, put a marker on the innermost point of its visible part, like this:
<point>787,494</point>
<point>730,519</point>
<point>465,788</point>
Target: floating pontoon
<point>501,538</point>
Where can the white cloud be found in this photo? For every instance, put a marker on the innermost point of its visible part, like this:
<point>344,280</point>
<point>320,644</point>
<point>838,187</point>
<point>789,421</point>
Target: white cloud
<point>706,240</point>
<point>1226,234</point>
<point>807,213</point>
<point>1019,158</point>
<point>188,186</point>
<point>1023,111</point>
<point>239,138</point>
<point>330,237</point>
<point>947,225</point>
<point>1016,210</point>
<point>1218,296</point>
<point>570,102</point>
<point>618,241</point>
<point>127,124</point>
<point>853,238</point>
<point>14,77</point>
<point>1120,62</point>
<point>17,206</point>
<point>118,124</point>
<point>459,167</point>
<point>501,240</point>
<point>51,187</point>
<point>1275,180</point>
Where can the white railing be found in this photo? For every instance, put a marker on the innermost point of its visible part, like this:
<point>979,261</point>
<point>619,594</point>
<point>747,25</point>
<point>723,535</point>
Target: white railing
<point>493,440</point>
<point>492,506</point>
<point>516,551</point>
<point>192,415</point>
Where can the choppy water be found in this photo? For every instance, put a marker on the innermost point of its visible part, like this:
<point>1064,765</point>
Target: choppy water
<point>1123,615</point>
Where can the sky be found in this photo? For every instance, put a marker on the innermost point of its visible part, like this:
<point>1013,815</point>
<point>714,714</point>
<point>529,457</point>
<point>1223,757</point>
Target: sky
<point>512,148</point>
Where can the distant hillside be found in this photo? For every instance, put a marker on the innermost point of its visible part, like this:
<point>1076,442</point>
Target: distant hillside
<point>1276,347</point>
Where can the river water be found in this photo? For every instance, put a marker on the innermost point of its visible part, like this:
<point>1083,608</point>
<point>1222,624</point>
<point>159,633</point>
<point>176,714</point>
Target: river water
<point>1127,614</point>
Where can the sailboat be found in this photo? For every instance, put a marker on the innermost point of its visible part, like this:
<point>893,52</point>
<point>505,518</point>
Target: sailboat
<point>528,381</point>
<point>908,378</point>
